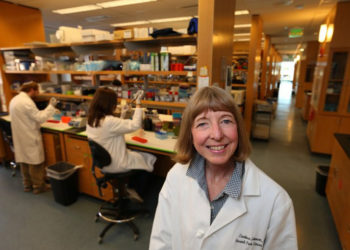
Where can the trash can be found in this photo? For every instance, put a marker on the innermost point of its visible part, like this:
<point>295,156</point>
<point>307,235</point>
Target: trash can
<point>64,182</point>
<point>321,179</point>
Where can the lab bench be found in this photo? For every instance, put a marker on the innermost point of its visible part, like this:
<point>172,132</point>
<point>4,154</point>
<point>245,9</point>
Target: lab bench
<point>64,143</point>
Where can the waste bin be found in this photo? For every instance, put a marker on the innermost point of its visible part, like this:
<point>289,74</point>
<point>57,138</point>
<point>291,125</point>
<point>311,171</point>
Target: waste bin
<point>321,179</point>
<point>64,182</point>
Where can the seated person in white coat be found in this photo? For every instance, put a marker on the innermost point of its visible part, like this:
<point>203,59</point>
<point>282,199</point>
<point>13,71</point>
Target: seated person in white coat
<point>25,125</point>
<point>108,131</point>
<point>215,197</point>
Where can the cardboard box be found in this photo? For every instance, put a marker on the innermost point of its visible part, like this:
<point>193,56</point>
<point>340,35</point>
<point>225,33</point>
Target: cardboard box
<point>261,131</point>
<point>118,34</point>
<point>90,35</point>
<point>68,34</point>
<point>182,50</point>
<point>129,33</point>
<point>141,33</point>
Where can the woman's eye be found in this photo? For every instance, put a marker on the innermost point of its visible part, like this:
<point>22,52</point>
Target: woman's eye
<point>201,124</point>
<point>227,121</point>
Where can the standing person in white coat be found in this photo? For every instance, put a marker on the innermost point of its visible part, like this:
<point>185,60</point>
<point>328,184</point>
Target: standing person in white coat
<point>215,197</point>
<point>108,131</point>
<point>27,140</point>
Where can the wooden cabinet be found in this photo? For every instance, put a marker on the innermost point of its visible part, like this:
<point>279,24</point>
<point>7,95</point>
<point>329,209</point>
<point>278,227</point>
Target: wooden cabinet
<point>338,188</point>
<point>52,148</point>
<point>78,153</point>
<point>330,103</point>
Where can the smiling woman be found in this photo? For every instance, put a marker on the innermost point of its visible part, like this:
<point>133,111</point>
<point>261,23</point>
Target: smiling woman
<point>215,197</point>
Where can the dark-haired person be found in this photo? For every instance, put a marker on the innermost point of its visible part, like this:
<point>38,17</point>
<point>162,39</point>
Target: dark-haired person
<point>215,197</point>
<point>108,131</point>
<point>27,140</point>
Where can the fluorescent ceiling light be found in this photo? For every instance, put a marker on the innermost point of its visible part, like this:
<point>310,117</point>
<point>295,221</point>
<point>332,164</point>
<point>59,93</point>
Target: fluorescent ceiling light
<point>241,34</point>
<point>241,12</point>
<point>129,23</point>
<point>241,39</point>
<point>82,8</point>
<point>322,33</point>
<point>248,25</point>
<point>117,3</point>
<point>174,19</point>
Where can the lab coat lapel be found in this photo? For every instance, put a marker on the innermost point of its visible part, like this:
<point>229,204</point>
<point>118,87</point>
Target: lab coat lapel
<point>230,211</point>
<point>233,208</point>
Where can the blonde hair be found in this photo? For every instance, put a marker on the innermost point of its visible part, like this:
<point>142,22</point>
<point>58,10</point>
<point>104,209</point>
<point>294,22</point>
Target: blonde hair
<point>215,99</point>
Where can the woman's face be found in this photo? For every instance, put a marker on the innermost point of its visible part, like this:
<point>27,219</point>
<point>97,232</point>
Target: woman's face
<point>215,136</point>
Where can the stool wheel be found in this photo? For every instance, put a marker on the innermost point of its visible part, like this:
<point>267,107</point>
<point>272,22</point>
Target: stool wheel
<point>100,240</point>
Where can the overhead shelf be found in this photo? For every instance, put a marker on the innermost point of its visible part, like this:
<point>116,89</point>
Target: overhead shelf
<point>105,72</point>
<point>105,47</point>
<point>171,105</point>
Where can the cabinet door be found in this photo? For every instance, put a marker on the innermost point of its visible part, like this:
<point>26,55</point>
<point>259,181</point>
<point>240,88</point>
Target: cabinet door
<point>335,87</point>
<point>338,193</point>
<point>344,126</point>
<point>78,153</point>
<point>321,133</point>
<point>52,148</point>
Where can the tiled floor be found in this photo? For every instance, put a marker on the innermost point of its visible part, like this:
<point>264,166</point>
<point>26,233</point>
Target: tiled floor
<point>30,221</point>
<point>287,159</point>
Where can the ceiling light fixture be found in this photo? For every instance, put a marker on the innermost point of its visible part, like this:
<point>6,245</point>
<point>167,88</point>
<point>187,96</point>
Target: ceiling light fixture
<point>237,26</point>
<point>129,23</point>
<point>82,8</point>
<point>241,39</point>
<point>241,12</point>
<point>164,20</point>
<point>330,30</point>
<point>241,34</point>
<point>111,4</point>
<point>322,33</point>
<point>174,19</point>
<point>98,6</point>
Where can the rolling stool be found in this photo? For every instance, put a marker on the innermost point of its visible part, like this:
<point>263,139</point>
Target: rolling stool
<point>116,211</point>
<point>7,136</point>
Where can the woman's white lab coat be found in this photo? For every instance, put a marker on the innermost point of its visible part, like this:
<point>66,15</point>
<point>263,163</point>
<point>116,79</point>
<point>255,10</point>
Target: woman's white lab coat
<point>110,135</point>
<point>263,218</point>
<point>25,125</point>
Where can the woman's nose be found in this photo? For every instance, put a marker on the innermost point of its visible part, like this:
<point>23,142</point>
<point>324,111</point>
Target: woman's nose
<point>216,132</point>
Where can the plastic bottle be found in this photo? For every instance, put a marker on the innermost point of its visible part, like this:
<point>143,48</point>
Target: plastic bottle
<point>176,97</point>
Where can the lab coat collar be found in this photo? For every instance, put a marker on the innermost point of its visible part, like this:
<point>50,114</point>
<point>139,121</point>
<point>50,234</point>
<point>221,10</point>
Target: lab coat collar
<point>251,181</point>
<point>233,208</point>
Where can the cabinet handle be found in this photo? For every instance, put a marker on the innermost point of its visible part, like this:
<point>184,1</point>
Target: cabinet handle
<point>348,228</point>
<point>77,147</point>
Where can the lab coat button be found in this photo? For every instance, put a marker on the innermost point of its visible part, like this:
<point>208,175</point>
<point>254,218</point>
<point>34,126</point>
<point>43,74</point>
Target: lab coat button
<point>199,234</point>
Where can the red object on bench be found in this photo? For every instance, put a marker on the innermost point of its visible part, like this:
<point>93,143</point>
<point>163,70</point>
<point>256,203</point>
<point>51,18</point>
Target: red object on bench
<point>53,121</point>
<point>139,139</point>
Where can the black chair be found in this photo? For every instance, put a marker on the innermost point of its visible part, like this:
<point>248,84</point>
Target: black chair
<point>5,127</point>
<point>117,210</point>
